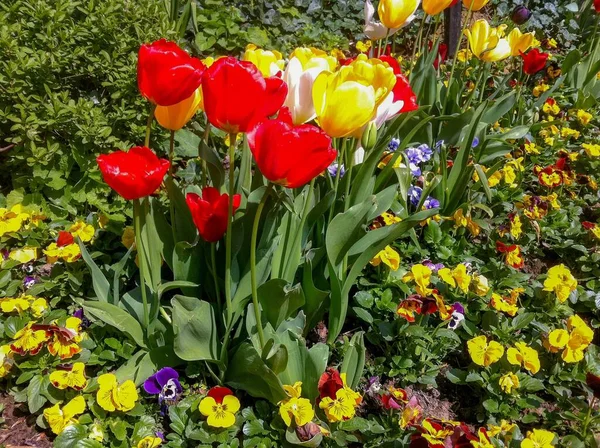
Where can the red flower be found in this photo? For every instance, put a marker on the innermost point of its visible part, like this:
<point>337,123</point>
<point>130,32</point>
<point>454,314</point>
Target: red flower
<point>329,383</point>
<point>218,393</point>
<point>404,92</point>
<point>64,239</point>
<point>442,54</point>
<point>290,155</point>
<point>592,380</point>
<point>588,225</point>
<point>134,174</point>
<point>237,96</point>
<point>392,62</point>
<point>534,61</point>
<point>167,74</point>
<point>209,212</point>
<point>597,5</point>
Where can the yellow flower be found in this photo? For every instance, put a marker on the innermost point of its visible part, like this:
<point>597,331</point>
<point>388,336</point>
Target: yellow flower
<point>569,133</point>
<point>561,281</point>
<point>342,408</point>
<point>485,41</point>
<point>128,237</point>
<point>269,62</point>
<point>221,414</point>
<point>495,178</point>
<point>479,285</point>
<point>59,419</point>
<point>584,117</point>
<point>365,83</point>
<point>421,274</point>
<point>551,108</point>
<point>390,219</point>
<point>509,175</point>
<point>464,55</point>
<point>475,5</point>
<point>65,343</point>
<point>482,353</point>
<point>458,276</point>
<point>387,256</point>
<point>504,426</point>
<point>85,232</point>
<point>460,220</point>
<point>574,341</point>
<point>591,149</point>
<point>519,42</point>
<point>103,220</point>
<point>539,89</point>
<point>295,407</point>
<point>531,148</point>
<point>74,378</point>
<point>12,220</point>
<point>149,442</point>
<point>552,199</point>
<point>68,253</point>
<point>397,13</point>
<point>24,255</point>
<point>29,340</point>
<point>507,305</point>
<point>521,354</point>
<point>6,360</point>
<point>114,397</point>
<point>337,54</point>
<point>9,305</point>
<point>516,227</point>
<point>538,438</point>
<point>38,306</point>
<point>363,47</point>
<point>310,57</point>
<point>434,7</point>
<point>508,382</point>
<point>176,116</point>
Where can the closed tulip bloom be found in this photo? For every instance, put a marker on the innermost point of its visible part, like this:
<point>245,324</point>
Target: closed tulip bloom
<point>364,84</point>
<point>434,7</point>
<point>485,41</point>
<point>269,62</point>
<point>521,14</point>
<point>166,74</point>
<point>237,95</point>
<point>176,116</point>
<point>397,13</point>
<point>372,29</point>
<point>134,174</point>
<point>475,5</point>
<point>209,212</point>
<point>402,89</point>
<point>290,155</point>
<point>597,5</point>
<point>519,42</point>
<point>534,61</point>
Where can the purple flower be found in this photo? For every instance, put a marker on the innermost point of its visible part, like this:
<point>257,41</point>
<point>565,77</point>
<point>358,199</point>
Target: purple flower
<point>431,203</point>
<point>415,170</point>
<point>458,315</point>
<point>433,266</point>
<point>84,320</point>
<point>164,383</point>
<point>4,253</point>
<point>29,281</point>
<point>414,195</point>
<point>160,435</point>
<point>520,15</point>
<point>393,144</point>
<point>420,154</point>
<point>333,168</point>
<point>438,145</point>
<point>475,142</point>
<point>374,385</point>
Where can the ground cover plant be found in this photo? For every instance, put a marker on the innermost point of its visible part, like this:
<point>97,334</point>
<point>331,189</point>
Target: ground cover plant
<point>382,243</point>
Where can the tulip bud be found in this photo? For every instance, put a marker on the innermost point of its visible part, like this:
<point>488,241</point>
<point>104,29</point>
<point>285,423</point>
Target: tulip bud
<point>369,137</point>
<point>520,15</point>
<point>308,431</point>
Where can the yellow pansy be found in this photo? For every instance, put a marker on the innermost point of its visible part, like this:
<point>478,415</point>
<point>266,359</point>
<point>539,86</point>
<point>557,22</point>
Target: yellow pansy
<point>574,341</point>
<point>387,256</point>
<point>389,219</point>
<point>460,220</point>
<point>29,340</point>
<point>300,409</point>
<point>176,116</point>
<point>74,378</point>
<point>10,305</point>
<point>457,277</point>
<point>475,5</point>
<point>508,382</point>
<point>482,353</point>
<point>128,237</point>
<point>523,355</point>
<point>65,343</point>
<point>85,232</point>
<point>11,220</point>
<point>538,438</point>
<point>149,442</point>
<point>342,408</point>
<point>364,83</point>
<point>509,175</point>
<point>584,117</point>
<point>68,253</point>
<point>569,133</point>
<point>24,255</point>
<point>539,89</point>
<point>591,149</point>
<point>58,419</point>
<point>479,285</point>
<point>560,281</point>
<point>220,407</point>
<point>6,360</point>
<point>114,397</point>
<point>363,47</point>
<point>519,42</point>
<point>421,275</point>
<point>531,148</point>
<point>269,62</point>
<point>464,55</point>
<point>550,107</point>
<point>516,227</point>
<point>397,13</point>
<point>486,43</point>
<point>552,199</point>
<point>504,426</point>
<point>505,304</point>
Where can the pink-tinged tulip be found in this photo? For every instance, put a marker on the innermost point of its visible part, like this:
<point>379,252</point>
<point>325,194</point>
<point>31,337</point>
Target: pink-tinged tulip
<point>372,29</point>
<point>209,212</point>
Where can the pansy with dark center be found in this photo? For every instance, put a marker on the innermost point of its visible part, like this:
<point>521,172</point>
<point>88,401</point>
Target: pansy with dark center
<point>164,383</point>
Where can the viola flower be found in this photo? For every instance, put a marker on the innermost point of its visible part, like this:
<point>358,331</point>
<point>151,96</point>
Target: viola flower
<point>6,360</point>
<point>333,169</point>
<point>112,396</point>
<point>295,407</point>
<point>591,149</point>
<point>503,427</point>
<point>507,305</point>
<point>593,228</point>
<point>166,74</point>
<point>329,383</point>
<point>85,232</point>
<point>392,398</point>
<point>29,339</point>
<point>29,281</point>
<point>414,195</point>
<point>574,341</point>
<point>149,442</point>
<point>409,307</point>
<point>550,107</point>
<point>432,433</point>
<point>23,255</point>
<point>430,203</point>
<point>387,256</point>
<point>523,355</point>
<point>411,413</point>
<point>460,220</point>
<point>220,406</point>
<point>58,419</point>
<point>479,285</point>
<point>456,277</point>
<point>69,376</point>
<point>513,254</point>
<point>64,248</point>
<point>421,275</point>
<point>134,174</point>
<point>484,353</point>
<point>457,316</point>
<point>164,383</point>
<point>538,438</point>
<point>210,212</point>
<point>561,282</point>
<point>584,117</point>
<point>343,405</point>
<point>509,382</point>
<point>237,95</point>
<point>65,341</point>
<point>516,226</point>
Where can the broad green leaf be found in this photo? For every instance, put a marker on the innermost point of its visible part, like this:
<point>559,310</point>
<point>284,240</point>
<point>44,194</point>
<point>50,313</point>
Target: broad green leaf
<point>354,360</point>
<point>116,317</point>
<point>279,300</point>
<point>195,329</point>
<point>99,282</point>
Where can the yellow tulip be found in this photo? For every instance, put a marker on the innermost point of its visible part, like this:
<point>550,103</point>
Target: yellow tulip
<point>519,42</point>
<point>397,13</point>
<point>434,7</point>
<point>486,43</point>
<point>176,116</point>
<point>311,57</point>
<point>269,62</point>
<point>475,5</point>
<point>364,84</point>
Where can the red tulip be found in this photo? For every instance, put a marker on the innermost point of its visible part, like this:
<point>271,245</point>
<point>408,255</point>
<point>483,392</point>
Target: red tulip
<point>134,174</point>
<point>403,91</point>
<point>290,155</point>
<point>597,5</point>
<point>167,74</point>
<point>329,383</point>
<point>534,61</point>
<point>237,96</point>
<point>209,212</point>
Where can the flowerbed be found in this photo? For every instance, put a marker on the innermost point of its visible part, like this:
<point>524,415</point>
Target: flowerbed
<point>329,249</point>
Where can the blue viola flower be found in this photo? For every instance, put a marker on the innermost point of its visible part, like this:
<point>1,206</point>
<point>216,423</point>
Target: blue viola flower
<point>458,315</point>
<point>431,203</point>
<point>164,383</point>
<point>333,168</point>
<point>414,195</point>
<point>393,144</point>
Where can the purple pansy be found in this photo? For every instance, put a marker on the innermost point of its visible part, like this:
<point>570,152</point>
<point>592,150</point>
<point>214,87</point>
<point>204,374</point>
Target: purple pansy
<point>458,315</point>
<point>414,195</point>
<point>433,266</point>
<point>164,383</point>
<point>431,203</point>
<point>393,144</point>
<point>29,281</point>
<point>420,154</point>
<point>333,168</point>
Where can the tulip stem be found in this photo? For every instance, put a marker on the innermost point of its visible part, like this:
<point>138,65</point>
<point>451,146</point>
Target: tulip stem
<point>338,175</point>
<point>462,33</point>
<point>138,209</point>
<point>418,42</point>
<point>149,125</point>
<point>255,305</point>
<point>586,422</point>
<point>171,203</point>
<point>204,165</point>
<point>213,259</point>
<point>232,140</point>
<point>298,236</point>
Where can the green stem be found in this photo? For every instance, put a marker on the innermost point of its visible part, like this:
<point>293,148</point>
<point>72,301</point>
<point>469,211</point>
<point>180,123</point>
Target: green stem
<point>486,72</point>
<point>171,202</point>
<point>387,35</point>
<point>305,209</point>
<point>204,164</point>
<point>257,316</point>
<point>137,224</point>
<point>232,140</point>
<point>149,125</point>
<point>164,314</point>
<point>462,32</point>
<point>586,422</point>
<point>418,41</point>
<point>171,152</point>
<point>213,259</point>
<point>337,177</point>
<point>349,173</point>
